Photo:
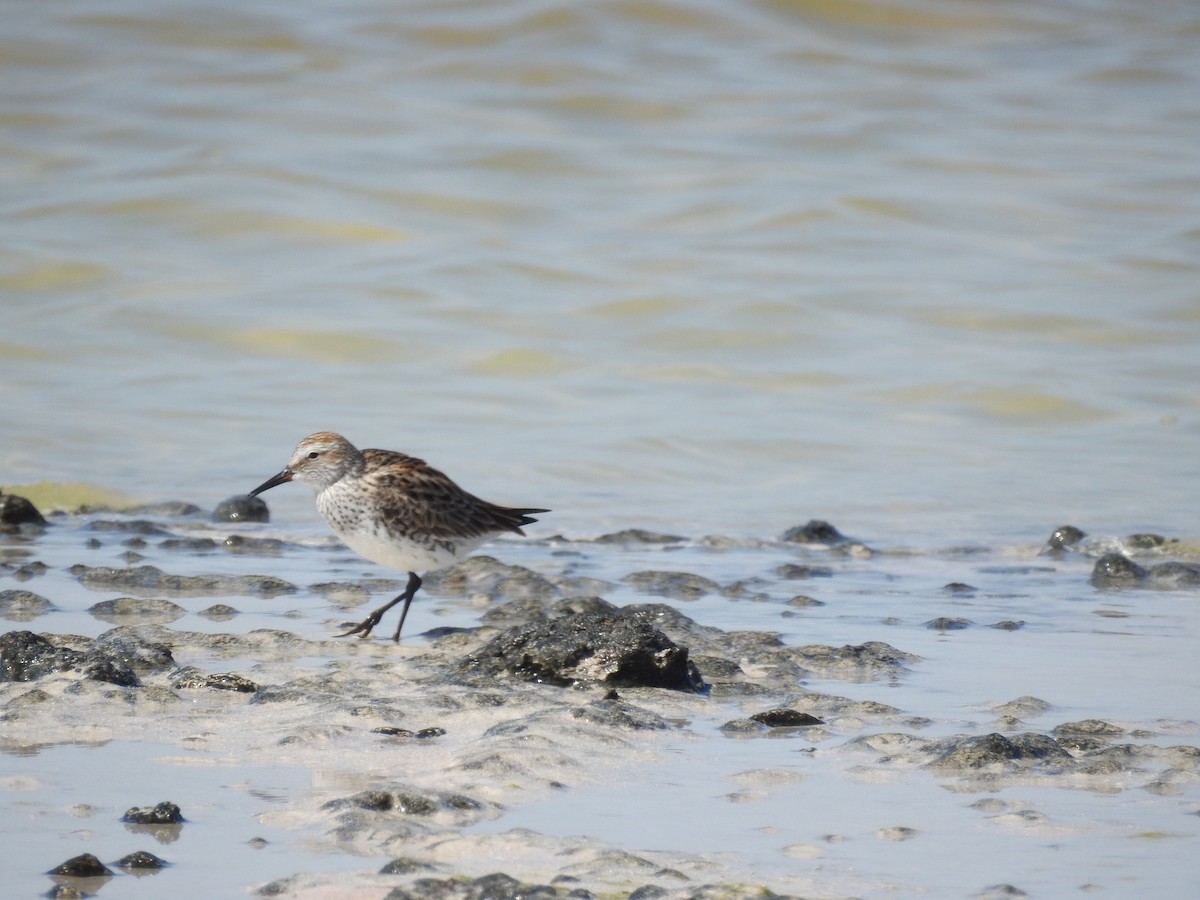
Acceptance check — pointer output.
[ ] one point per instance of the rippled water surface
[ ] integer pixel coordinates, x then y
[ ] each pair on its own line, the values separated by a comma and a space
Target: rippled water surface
926, 269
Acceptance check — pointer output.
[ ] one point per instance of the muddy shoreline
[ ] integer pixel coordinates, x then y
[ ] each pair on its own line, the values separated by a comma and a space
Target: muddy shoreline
423, 745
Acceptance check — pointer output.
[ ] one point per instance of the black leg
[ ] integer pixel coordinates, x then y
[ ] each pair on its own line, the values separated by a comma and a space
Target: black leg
363, 629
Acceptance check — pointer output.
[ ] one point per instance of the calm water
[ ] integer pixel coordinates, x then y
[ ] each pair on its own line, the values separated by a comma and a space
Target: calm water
924, 269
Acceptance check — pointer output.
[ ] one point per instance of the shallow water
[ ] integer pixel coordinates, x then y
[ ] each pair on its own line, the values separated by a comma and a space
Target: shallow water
926, 270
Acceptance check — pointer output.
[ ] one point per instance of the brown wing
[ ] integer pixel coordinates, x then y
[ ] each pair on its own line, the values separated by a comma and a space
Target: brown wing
427, 500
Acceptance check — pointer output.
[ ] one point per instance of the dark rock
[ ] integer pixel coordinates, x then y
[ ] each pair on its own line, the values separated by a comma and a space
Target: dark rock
815, 531
241, 508
785, 718
25, 656
83, 866
165, 813
677, 585
612, 649
960, 753
1113, 570
1000, 891
142, 860
406, 800
639, 536
1066, 536
958, 587
17, 511
219, 612
948, 623
22, 606
648, 892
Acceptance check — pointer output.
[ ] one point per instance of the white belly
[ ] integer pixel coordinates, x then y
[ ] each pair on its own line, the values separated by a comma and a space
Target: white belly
419, 555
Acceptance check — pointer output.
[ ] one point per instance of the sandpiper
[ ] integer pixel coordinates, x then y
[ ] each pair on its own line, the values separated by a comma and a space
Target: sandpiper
395, 510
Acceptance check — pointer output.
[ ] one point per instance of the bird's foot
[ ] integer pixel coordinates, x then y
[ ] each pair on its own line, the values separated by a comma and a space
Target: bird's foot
363, 628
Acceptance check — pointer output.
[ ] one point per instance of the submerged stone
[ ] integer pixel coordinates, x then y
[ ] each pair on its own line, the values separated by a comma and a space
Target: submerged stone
785, 718
1115, 570
960, 753
639, 536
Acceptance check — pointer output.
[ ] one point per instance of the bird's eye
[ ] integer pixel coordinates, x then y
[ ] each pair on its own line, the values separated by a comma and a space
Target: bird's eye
313, 455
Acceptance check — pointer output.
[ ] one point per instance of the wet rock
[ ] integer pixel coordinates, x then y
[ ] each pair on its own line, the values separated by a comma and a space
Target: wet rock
958, 587
149, 579
241, 508
29, 570
165, 813
1146, 541
343, 593
677, 585
1116, 571
168, 509
785, 718
1175, 576
240, 543
1064, 537
612, 649
896, 833
218, 612
1009, 625
743, 726
487, 575
134, 650
616, 713
83, 866
22, 606
25, 656
871, 660
16, 512
639, 536
1000, 891
424, 734
497, 886
963, 754
948, 623
141, 527
815, 531
1023, 707
798, 572
404, 866
125, 608
190, 677
189, 545
407, 800
1113, 570
1093, 728
800, 601
141, 860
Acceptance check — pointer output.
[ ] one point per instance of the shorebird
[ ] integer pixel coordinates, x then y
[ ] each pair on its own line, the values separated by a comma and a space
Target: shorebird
394, 510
